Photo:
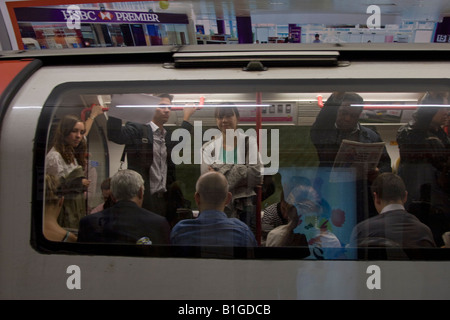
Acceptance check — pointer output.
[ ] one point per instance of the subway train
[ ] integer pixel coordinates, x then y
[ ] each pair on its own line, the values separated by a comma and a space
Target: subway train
279, 91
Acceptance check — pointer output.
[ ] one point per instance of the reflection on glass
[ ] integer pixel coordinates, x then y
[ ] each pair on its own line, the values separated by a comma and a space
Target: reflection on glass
314, 175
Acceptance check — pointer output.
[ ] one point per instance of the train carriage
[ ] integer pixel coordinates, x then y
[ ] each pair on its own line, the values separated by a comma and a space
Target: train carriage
279, 92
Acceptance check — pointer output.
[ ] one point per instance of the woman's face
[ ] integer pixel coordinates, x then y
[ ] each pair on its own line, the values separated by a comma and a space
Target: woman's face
440, 117
226, 120
74, 137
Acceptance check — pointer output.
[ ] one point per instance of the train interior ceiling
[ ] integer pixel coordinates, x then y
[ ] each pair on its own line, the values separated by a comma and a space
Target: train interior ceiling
385, 111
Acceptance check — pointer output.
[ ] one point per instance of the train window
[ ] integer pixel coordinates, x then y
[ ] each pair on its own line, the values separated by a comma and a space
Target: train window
320, 174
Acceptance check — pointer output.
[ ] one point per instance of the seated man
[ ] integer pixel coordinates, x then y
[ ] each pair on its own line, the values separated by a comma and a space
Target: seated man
393, 222
126, 221
212, 227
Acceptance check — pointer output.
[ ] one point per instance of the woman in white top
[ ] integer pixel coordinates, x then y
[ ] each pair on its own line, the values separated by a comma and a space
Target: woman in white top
67, 161
236, 156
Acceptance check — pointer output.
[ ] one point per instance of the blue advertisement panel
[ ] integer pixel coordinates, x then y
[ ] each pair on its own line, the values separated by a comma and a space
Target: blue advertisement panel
332, 194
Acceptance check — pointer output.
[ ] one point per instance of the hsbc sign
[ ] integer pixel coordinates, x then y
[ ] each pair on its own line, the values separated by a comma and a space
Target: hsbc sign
75, 14
106, 15
111, 16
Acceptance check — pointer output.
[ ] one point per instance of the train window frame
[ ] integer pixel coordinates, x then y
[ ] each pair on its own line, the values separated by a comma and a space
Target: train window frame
43, 245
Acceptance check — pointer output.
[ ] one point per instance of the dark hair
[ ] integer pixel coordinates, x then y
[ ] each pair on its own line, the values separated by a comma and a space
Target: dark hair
424, 115
67, 152
353, 97
226, 111
433, 97
164, 95
336, 98
106, 184
350, 98
389, 187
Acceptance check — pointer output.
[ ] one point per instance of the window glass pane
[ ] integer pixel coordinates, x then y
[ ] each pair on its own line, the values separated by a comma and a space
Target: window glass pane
300, 182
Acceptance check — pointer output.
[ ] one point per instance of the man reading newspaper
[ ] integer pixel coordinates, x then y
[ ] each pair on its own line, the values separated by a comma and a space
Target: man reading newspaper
338, 121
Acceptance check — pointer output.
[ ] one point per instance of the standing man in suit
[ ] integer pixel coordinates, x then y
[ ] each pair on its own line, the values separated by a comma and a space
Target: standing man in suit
126, 221
393, 223
148, 148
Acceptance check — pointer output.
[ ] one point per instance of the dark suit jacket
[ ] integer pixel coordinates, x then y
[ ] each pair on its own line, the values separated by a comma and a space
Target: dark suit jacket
140, 151
399, 226
124, 222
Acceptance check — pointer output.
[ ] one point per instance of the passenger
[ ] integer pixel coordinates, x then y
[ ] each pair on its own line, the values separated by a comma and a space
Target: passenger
317, 38
67, 161
446, 239
306, 220
212, 227
425, 163
95, 112
424, 146
274, 215
179, 208
152, 160
106, 193
54, 200
126, 221
337, 121
393, 222
447, 124
240, 165
283, 235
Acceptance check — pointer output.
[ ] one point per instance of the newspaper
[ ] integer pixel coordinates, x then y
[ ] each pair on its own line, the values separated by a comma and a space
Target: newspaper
357, 157
138, 108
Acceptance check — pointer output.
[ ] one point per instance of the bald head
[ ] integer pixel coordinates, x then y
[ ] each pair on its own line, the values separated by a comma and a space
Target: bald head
212, 191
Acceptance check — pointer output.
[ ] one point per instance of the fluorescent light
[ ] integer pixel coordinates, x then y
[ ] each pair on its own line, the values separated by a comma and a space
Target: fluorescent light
206, 106
27, 107
400, 106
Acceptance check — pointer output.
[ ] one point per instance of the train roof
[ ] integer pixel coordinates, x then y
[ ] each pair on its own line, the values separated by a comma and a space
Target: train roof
227, 55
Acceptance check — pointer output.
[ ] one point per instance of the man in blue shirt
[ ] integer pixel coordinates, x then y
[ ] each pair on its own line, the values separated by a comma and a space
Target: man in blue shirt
212, 227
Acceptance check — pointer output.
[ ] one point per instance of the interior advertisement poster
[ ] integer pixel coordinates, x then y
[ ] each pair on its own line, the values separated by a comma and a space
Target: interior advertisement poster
326, 210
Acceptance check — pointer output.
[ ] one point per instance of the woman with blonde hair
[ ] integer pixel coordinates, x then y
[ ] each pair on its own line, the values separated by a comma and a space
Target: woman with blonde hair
53, 203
